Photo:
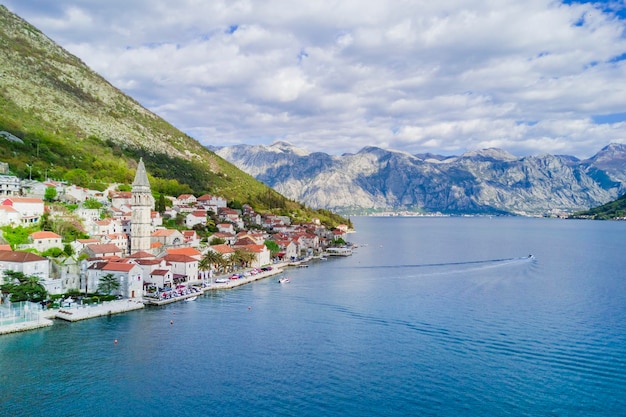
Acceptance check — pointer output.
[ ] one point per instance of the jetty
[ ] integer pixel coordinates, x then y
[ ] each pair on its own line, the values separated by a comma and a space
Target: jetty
107, 308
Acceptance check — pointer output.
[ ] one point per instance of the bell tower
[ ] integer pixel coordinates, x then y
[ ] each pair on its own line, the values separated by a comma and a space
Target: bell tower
142, 205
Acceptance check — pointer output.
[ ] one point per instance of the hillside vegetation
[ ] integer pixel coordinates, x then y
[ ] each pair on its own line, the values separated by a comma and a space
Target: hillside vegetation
613, 210
63, 121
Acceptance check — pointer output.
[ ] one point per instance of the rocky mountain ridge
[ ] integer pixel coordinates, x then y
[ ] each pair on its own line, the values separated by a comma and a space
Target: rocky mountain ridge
483, 181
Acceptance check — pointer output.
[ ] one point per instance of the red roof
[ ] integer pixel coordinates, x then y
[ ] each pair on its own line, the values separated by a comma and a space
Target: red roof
104, 248
183, 251
44, 235
141, 255
118, 266
19, 257
163, 232
179, 258
8, 201
222, 248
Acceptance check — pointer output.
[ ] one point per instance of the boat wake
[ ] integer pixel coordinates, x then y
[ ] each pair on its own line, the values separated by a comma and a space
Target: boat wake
500, 261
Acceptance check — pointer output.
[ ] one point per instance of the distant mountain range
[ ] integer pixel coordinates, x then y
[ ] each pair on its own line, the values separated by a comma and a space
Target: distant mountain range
489, 181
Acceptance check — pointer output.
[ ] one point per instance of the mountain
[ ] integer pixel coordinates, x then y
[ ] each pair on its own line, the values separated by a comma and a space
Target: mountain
60, 119
489, 181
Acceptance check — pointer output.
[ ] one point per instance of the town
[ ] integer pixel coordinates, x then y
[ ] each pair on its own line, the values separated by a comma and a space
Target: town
125, 257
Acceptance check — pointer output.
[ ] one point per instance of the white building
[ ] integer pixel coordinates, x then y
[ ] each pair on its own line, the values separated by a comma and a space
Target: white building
30, 208
9, 185
27, 263
42, 241
9, 216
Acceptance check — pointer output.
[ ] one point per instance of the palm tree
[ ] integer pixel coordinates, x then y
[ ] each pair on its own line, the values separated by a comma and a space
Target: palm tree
242, 257
214, 259
211, 260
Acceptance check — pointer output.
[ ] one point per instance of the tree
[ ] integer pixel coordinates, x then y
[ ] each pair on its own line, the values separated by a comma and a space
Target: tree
338, 242
92, 203
242, 258
68, 249
108, 284
272, 246
160, 204
50, 194
45, 222
217, 241
78, 177
211, 260
23, 287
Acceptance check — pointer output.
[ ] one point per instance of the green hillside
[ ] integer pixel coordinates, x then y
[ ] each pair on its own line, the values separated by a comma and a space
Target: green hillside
613, 210
74, 125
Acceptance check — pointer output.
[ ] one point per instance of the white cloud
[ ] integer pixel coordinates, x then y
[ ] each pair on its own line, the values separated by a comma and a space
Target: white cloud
445, 76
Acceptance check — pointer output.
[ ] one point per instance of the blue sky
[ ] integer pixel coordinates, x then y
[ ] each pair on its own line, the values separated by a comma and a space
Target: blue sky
530, 77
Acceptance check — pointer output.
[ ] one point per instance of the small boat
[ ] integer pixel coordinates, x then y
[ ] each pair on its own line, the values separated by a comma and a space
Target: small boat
191, 298
284, 280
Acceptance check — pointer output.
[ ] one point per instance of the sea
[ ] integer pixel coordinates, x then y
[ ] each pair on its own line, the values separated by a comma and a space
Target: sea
430, 316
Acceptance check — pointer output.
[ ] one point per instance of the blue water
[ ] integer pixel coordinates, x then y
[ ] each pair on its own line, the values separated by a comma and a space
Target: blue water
429, 317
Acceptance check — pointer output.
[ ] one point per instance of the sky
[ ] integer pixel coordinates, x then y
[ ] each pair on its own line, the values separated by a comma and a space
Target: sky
447, 76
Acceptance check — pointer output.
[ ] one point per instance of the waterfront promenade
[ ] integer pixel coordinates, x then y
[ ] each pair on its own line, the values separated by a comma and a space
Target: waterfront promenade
212, 286
79, 312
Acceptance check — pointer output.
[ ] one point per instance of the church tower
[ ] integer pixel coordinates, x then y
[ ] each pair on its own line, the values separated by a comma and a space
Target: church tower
142, 205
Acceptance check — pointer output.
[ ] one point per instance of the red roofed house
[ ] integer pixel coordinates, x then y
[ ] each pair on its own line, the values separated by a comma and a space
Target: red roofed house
185, 268
129, 275
224, 250
118, 239
103, 251
148, 266
191, 238
194, 218
167, 237
226, 228
30, 209
161, 278
27, 263
288, 249
42, 241
121, 199
339, 234
211, 202
185, 200
191, 252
